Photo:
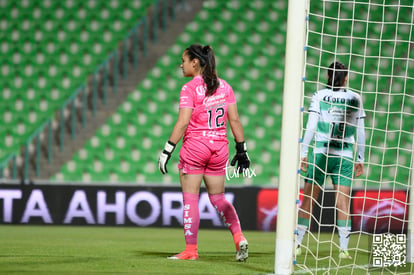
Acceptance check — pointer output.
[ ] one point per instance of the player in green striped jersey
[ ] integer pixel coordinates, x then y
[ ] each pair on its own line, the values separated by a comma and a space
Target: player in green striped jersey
336, 116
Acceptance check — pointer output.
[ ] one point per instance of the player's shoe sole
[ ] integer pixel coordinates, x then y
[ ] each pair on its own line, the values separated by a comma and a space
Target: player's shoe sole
243, 251
185, 255
343, 254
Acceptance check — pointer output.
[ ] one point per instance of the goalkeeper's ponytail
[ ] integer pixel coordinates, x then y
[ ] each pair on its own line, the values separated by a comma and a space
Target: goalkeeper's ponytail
337, 73
208, 64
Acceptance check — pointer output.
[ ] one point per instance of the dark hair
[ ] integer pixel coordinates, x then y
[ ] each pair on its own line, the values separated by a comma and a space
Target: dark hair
337, 73
207, 60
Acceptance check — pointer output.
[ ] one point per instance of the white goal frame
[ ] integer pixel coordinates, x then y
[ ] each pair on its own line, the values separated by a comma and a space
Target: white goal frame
291, 126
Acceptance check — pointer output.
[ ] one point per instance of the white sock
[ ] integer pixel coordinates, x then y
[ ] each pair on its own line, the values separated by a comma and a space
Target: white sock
301, 233
344, 234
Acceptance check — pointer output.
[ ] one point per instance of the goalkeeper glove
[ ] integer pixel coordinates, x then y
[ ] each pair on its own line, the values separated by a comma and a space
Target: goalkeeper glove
241, 157
165, 156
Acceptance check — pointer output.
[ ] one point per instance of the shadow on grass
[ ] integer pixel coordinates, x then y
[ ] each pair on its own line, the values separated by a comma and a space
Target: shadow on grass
154, 254
217, 256
254, 263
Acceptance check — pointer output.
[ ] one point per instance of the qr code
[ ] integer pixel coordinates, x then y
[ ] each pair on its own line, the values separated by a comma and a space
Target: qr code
389, 250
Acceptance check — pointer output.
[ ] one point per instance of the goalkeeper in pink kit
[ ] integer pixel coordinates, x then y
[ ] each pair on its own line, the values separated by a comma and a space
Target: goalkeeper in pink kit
206, 103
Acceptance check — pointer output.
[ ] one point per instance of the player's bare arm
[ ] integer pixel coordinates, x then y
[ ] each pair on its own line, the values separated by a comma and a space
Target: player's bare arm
181, 125
359, 169
235, 123
304, 164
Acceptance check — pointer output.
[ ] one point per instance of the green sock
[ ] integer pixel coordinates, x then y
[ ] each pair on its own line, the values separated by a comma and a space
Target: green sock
303, 221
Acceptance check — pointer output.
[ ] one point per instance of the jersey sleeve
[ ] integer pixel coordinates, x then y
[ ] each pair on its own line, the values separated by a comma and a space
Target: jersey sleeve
361, 140
311, 127
361, 111
186, 97
314, 104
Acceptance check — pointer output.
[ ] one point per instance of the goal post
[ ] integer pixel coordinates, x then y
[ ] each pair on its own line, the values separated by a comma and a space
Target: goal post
410, 227
291, 125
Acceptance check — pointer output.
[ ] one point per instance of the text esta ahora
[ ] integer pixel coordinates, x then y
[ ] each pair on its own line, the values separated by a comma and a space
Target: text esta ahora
125, 208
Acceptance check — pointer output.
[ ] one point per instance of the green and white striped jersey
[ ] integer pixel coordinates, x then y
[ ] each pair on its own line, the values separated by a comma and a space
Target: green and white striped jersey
338, 113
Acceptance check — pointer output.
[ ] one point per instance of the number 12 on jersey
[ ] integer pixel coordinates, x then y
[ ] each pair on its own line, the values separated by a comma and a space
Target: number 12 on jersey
214, 118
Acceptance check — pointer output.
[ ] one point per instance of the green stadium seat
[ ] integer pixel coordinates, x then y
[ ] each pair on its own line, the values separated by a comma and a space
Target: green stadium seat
8, 143
47, 46
250, 39
72, 171
102, 176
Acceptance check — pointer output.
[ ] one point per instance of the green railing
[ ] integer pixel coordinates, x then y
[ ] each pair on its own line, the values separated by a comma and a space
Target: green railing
74, 110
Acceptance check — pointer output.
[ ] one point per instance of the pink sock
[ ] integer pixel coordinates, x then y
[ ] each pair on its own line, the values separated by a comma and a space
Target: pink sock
227, 212
191, 218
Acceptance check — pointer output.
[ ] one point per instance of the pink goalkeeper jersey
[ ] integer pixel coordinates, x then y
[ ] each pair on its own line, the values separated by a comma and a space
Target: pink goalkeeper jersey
209, 117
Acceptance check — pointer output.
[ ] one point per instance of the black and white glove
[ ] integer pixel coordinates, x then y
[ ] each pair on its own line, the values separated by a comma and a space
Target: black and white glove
165, 156
241, 157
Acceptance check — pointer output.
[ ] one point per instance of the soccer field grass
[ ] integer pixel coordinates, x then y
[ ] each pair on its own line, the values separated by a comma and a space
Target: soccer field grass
113, 250
137, 250
323, 258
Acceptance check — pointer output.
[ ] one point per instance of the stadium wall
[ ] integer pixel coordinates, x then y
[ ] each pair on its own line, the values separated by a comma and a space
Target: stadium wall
161, 206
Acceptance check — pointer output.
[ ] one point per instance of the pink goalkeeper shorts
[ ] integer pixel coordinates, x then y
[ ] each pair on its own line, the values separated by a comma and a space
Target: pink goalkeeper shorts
207, 157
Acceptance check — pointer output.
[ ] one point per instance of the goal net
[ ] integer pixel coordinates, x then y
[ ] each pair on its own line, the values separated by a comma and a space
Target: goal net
374, 40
